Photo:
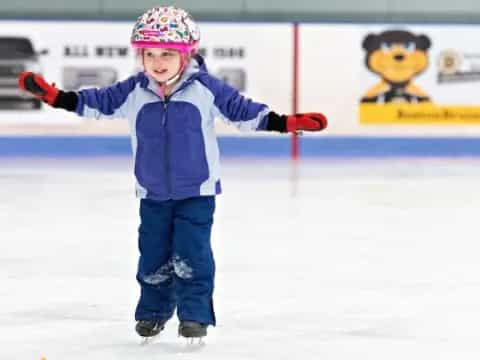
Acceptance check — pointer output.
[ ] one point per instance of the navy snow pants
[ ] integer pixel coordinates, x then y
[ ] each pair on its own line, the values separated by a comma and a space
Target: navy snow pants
176, 266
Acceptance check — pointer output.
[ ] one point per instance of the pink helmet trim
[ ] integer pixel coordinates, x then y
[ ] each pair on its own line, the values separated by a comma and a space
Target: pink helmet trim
182, 47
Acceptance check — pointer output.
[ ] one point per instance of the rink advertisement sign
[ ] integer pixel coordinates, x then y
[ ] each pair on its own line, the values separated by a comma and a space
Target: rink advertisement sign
76, 55
398, 58
392, 80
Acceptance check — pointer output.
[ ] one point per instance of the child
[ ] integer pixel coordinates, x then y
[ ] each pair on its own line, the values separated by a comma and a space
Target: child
171, 107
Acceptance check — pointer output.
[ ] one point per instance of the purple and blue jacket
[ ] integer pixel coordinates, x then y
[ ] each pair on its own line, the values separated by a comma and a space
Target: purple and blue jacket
173, 138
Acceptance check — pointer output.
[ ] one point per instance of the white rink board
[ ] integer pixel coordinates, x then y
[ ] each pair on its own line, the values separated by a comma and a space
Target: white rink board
266, 62
333, 76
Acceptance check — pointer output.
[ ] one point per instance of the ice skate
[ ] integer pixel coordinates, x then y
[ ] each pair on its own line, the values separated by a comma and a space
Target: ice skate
192, 331
148, 329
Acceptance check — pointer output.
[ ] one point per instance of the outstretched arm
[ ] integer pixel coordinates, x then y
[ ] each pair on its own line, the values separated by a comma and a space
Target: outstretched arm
246, 114
108, 102
48, 93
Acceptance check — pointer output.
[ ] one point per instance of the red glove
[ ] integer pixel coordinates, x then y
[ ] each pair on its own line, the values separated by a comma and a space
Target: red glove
307, 121
38, 87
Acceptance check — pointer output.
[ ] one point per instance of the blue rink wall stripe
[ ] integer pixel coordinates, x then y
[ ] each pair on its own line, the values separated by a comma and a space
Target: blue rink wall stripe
327, 146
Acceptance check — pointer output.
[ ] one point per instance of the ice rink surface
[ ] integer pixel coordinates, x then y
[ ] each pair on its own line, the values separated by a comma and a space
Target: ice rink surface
371, 259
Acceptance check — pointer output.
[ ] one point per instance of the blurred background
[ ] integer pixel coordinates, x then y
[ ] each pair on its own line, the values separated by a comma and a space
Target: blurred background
383, 97
359, 241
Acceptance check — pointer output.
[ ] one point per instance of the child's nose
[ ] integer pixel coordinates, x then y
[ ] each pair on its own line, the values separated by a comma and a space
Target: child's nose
158, 60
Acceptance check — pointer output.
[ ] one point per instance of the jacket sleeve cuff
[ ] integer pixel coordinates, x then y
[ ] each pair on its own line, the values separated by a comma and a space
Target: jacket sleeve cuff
66, 100
276, 122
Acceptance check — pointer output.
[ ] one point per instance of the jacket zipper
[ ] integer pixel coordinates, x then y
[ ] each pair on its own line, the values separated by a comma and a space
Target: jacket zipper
168, 168
164, 117
166, 147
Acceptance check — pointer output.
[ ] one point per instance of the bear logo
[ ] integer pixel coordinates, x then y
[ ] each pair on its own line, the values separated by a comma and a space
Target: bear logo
397, 56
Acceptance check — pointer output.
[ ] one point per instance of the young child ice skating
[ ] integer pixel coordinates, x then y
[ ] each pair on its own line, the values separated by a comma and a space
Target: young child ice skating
171, 106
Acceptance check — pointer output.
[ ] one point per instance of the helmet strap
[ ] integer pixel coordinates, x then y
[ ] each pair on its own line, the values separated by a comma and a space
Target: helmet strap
183, 65
173, 79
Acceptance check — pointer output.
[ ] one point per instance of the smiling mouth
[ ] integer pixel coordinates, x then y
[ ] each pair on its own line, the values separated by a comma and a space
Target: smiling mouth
160, 72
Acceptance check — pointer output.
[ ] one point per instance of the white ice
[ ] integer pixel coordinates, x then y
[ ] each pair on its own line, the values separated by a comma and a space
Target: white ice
371, 259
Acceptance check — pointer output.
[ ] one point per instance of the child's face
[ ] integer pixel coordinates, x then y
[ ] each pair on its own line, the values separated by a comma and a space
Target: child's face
161, 64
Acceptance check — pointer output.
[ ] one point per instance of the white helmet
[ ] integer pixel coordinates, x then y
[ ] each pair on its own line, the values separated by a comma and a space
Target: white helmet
166, 27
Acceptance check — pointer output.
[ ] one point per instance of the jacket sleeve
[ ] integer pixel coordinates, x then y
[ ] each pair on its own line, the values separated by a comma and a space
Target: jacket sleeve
107, 102
235, 109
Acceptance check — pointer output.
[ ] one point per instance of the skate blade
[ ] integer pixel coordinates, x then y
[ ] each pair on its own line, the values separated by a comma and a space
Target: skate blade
193, 345
147, 340
194, 342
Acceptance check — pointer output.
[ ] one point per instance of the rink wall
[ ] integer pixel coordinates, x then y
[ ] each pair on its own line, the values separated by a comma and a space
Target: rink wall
232, 146
334, 76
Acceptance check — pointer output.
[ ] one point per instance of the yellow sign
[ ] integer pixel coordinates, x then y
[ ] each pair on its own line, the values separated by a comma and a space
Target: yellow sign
424, 113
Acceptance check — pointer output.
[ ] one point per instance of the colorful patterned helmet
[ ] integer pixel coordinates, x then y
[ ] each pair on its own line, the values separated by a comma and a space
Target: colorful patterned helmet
166, 27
